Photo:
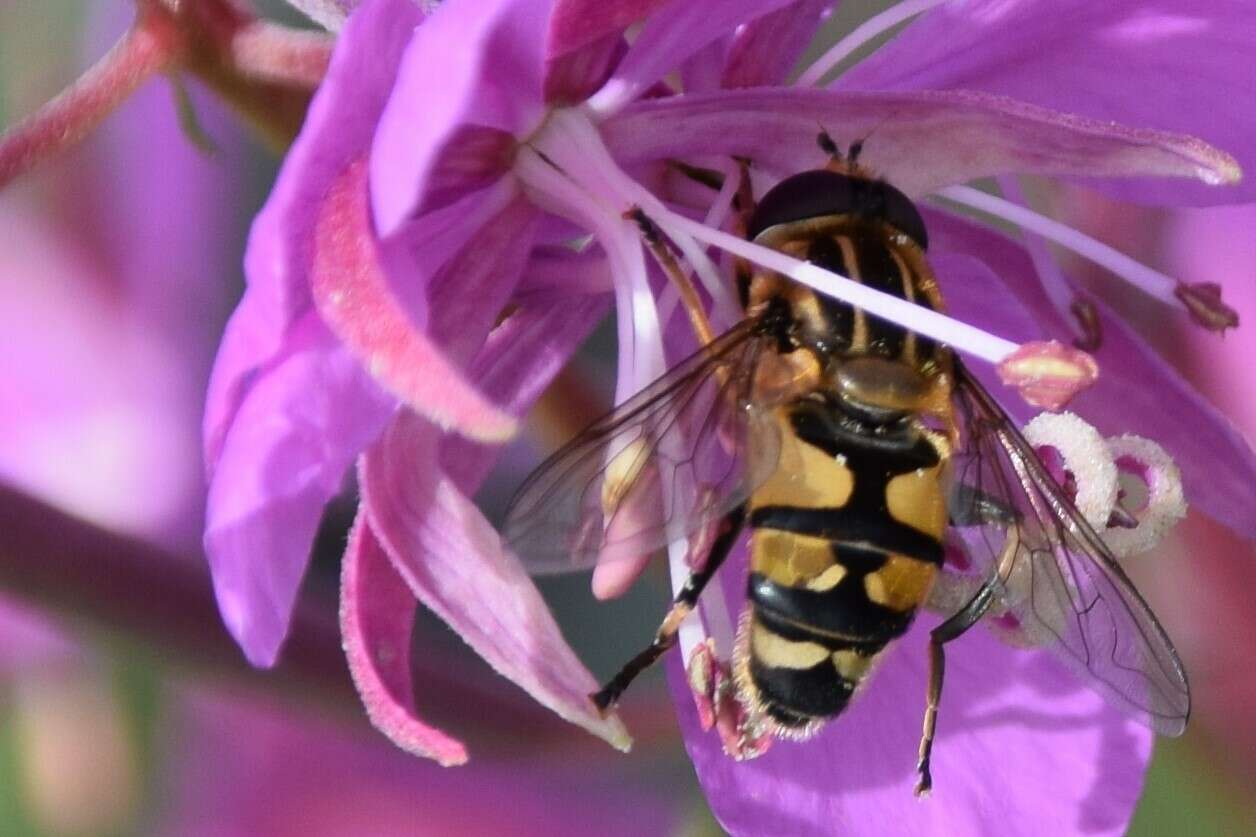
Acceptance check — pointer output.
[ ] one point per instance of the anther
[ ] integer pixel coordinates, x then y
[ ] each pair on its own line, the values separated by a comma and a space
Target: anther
1088, 321
1203, 301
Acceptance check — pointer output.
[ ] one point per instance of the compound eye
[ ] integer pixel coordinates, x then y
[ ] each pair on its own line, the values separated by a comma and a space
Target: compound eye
814, 194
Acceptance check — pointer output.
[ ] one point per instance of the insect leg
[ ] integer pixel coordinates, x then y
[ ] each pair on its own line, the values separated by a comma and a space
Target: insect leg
744, 201
682, 606
955, 626
653, 239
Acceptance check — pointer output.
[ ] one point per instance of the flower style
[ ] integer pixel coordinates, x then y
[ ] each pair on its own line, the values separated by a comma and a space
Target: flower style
413, 288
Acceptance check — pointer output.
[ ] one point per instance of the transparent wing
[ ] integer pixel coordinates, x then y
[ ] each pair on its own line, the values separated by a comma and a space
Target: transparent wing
1060, 582
685, 450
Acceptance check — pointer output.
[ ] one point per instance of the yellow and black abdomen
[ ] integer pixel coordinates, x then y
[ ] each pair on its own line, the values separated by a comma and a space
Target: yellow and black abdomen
846, 540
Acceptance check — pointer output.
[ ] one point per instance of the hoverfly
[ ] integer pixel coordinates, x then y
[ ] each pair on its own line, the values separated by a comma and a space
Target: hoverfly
847, 445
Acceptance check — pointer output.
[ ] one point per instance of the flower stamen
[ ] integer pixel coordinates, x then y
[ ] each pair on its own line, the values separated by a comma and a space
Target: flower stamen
955, 333
860, 35
1206, 308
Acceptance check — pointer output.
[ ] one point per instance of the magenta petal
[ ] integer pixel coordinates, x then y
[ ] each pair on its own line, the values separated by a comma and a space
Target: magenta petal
455, 564
301, 425
1178, 67
472, 64
470, 293
518, 362
1023, 748
337, 130
376, 619
253, 334
766, 50
673, 35
352, 295
921, 141
1137, 391
579, 23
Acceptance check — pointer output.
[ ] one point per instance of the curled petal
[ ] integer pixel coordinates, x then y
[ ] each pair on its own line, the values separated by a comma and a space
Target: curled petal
1004, 712
1048, 374
921, 141
454, 562
1165, 505
1071, 448
295, 434
1177, 67
352, 295
376, 619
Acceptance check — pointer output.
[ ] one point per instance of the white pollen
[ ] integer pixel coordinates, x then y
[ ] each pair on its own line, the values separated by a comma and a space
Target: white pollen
1085, 455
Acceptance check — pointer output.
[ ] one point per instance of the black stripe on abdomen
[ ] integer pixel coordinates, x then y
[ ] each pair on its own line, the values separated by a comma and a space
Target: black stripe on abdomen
834, 617
795, 697
851, 525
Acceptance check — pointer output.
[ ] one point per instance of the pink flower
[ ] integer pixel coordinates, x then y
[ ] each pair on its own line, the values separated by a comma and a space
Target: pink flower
446, 165
228, 771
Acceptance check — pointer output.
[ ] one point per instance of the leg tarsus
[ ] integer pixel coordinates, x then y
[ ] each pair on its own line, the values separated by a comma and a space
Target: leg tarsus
952, 628
606, 697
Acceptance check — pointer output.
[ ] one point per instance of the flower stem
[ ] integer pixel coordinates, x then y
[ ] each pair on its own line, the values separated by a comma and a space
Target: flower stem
144, 600
150, 46
270, 52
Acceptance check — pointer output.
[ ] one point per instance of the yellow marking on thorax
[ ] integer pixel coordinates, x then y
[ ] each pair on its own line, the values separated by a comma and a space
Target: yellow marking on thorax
805, 476
859, 334
909, 294
771, 649
901, 584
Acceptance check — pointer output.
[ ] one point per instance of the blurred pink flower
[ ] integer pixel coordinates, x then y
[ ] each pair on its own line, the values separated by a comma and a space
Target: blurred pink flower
234, 765
443, 164
113, 277
1215, 576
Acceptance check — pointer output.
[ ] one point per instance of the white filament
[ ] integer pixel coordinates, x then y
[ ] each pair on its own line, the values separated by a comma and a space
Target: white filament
1150, 281
860, 35
958, 335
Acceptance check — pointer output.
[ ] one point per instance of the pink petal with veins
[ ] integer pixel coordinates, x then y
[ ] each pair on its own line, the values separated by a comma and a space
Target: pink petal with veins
454, 562
1171, 65
669, 38
579, 23
351, 292
767, 49
923, 140
376, 618
338, 129
473, 64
